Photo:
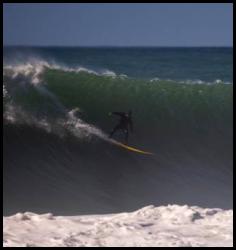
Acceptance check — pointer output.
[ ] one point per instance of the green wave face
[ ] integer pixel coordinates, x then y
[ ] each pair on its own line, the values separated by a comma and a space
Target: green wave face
168, 109
162, 103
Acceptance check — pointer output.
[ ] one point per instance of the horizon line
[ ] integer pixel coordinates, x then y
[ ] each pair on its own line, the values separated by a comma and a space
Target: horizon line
122, 46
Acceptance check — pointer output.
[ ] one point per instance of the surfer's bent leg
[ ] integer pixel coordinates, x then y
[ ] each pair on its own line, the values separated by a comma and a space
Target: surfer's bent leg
126, 131
114, 130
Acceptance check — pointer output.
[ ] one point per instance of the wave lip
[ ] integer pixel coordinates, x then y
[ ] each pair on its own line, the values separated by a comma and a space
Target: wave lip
35, 68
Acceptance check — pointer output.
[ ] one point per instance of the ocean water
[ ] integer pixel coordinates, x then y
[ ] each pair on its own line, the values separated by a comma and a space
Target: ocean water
56, 100
197, 64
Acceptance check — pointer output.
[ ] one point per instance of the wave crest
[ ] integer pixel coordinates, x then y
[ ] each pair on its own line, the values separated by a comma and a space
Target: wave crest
35, 68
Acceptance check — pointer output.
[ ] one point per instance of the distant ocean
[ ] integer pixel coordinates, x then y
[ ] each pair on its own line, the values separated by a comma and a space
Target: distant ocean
56, 102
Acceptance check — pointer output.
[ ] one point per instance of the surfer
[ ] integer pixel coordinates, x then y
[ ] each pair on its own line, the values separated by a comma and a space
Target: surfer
125, 123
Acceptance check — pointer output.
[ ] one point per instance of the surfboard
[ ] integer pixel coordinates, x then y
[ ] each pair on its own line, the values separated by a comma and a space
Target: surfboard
131, 148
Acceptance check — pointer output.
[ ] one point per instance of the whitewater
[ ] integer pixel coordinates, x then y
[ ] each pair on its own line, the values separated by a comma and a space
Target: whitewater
170, 226
66, 184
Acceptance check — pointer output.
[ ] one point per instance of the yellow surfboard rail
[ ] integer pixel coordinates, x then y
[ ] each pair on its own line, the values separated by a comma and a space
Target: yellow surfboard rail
131, 148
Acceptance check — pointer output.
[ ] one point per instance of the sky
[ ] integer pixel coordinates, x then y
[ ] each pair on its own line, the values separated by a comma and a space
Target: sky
104, 24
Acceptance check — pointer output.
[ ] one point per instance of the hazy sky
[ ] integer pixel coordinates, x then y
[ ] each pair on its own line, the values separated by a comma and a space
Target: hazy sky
118, 24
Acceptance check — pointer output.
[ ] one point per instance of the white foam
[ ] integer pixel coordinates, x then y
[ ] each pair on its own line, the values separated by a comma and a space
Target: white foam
109, 73
80, 128
71, 122
15, 115
4, 91
188, 81
165, 226
29, 70
155, 79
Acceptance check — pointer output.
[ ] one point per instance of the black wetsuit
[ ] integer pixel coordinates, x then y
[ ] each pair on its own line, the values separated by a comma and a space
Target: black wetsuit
125, 124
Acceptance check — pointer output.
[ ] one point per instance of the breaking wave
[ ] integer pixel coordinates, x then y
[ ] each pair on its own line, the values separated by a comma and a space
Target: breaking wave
56, 122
